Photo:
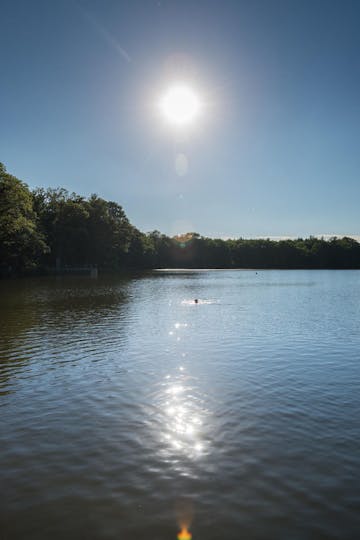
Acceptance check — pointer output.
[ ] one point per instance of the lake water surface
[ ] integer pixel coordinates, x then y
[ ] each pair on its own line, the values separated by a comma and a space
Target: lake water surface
126, 409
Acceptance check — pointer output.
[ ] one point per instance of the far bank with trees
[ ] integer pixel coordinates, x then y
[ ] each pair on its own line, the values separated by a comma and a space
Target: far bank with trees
45, 229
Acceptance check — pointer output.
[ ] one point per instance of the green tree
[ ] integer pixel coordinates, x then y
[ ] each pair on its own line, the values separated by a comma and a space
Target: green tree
109, 232
63, 219
21, 242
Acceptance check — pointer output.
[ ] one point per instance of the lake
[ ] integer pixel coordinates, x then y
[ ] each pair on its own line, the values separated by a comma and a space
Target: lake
127, 410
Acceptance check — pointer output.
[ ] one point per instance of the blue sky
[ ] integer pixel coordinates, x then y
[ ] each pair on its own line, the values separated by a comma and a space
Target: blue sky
274, 153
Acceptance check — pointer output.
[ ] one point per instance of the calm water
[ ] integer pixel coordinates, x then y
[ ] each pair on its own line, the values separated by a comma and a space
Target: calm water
126, 408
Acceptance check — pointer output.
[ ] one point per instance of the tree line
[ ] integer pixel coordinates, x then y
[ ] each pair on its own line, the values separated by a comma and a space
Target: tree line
44, 229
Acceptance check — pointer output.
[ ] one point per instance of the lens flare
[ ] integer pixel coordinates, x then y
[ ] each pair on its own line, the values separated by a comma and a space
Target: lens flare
181, 165
184, 534
183, 240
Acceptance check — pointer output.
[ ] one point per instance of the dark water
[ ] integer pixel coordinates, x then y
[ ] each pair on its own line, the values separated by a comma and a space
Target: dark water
126, 408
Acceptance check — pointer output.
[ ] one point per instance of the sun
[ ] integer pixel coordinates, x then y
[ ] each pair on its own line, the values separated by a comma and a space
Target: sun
180, 105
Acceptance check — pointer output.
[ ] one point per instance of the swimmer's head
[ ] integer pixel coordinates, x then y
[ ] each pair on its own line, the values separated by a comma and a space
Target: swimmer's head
196, 301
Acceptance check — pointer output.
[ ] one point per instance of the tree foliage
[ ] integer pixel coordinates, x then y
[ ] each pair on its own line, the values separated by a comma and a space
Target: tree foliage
21, 241
83, 231
52, 227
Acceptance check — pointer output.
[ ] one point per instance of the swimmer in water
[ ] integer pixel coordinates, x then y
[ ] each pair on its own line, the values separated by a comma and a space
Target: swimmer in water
196, 301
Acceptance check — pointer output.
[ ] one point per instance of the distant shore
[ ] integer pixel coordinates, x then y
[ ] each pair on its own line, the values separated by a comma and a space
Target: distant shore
46, 231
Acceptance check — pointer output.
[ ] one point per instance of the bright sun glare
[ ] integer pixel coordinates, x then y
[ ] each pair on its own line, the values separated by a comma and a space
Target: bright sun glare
180, 105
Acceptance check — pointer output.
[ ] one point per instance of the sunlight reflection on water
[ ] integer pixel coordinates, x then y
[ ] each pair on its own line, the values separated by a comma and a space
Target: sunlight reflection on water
182, 416
182, 409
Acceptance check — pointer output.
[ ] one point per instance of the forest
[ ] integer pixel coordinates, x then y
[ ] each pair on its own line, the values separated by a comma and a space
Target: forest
47, 230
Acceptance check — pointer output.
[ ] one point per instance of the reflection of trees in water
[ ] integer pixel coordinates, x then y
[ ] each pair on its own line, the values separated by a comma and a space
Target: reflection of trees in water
58, 319
16, 320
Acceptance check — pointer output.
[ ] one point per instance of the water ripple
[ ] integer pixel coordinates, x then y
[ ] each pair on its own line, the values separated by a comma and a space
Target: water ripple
121, 397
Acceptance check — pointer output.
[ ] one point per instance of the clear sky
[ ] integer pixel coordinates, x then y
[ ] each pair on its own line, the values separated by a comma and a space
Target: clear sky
275, 150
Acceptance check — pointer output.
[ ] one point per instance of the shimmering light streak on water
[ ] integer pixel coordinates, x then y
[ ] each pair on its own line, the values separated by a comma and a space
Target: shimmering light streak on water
120, 397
